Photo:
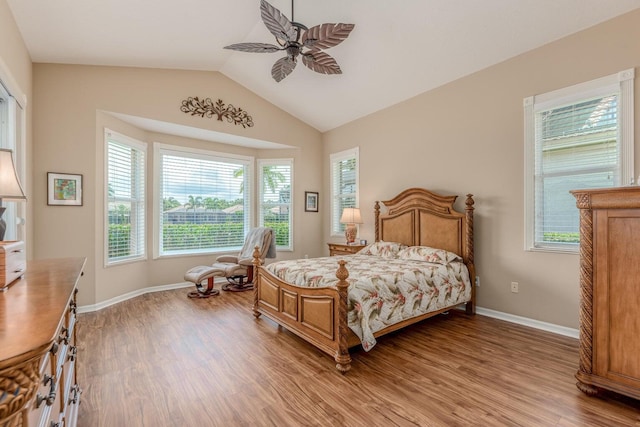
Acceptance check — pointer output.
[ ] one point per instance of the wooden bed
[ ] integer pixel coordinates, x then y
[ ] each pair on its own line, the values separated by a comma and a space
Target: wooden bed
415, 217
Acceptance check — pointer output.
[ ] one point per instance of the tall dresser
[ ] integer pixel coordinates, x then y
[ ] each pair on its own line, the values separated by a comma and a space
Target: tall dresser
609, 290
38, 351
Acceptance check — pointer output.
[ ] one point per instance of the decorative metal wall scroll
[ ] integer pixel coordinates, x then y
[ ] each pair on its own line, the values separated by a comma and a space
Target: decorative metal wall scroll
207, 108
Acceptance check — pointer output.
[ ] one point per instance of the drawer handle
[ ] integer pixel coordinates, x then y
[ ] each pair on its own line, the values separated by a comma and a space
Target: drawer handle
64, 336
51, 397
20, 270
73, 352
46, 379
76, 394
54, 424
17, 251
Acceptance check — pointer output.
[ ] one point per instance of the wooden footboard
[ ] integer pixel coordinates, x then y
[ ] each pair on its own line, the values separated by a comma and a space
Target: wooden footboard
318, 315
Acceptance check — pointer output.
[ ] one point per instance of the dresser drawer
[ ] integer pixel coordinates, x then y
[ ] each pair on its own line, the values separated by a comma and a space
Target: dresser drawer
13, 262
342, 249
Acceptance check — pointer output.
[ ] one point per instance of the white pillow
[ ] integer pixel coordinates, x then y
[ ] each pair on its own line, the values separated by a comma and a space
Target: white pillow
426, 253
382, 249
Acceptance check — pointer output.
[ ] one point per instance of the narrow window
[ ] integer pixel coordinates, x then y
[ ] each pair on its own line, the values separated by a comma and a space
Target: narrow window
11, 137
125, 195
275, 178
344, 186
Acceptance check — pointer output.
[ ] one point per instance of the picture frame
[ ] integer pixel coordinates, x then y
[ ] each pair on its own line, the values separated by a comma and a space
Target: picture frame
311, 201
64, 189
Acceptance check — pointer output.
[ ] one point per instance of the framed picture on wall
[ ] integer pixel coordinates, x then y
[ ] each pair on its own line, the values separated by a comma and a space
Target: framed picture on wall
64, 189
310, 201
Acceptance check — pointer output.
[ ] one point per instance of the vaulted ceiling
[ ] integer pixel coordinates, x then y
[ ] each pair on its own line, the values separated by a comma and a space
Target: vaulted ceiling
396, 51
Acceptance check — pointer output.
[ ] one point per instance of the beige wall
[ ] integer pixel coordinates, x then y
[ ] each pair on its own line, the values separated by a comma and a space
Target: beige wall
15, 67
69, 109
467, 137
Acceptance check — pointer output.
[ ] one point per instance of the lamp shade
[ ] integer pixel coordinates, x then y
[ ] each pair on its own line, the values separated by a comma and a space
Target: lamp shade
351, 216
10, 187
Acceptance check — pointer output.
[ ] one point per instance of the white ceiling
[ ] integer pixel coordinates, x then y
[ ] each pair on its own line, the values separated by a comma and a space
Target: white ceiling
397, 50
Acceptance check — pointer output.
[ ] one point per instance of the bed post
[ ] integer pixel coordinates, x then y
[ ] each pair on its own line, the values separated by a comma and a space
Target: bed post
256, 263
377, 212
342, 358
468, 252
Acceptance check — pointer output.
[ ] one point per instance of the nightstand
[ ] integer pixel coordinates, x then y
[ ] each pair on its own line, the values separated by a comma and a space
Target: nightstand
343, 249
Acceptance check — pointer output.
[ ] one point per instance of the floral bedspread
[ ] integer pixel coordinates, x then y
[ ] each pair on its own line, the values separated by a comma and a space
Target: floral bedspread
382, 291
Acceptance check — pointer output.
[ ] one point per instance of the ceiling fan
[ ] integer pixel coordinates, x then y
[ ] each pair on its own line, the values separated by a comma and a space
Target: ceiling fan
297, 40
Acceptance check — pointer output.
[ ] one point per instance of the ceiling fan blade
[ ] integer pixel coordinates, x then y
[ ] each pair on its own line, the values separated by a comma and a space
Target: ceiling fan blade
282, 68
320, 62
277, 24
325, 36
254, 47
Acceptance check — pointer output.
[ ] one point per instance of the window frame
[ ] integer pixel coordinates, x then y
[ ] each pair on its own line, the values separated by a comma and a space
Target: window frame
159, 149
276, 162
337, 229
12, 132
140, 147
620, 83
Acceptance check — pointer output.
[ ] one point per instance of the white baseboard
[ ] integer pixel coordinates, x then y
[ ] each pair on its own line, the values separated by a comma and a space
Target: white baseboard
525, 321
129, 295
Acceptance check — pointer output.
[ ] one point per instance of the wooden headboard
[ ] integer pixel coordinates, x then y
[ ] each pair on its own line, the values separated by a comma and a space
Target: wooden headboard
419, 217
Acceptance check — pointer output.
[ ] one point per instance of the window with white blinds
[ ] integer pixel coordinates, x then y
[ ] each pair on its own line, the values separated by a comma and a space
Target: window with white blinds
275, 199
344, 186
204, 200
125, 198
577, 141
12, 137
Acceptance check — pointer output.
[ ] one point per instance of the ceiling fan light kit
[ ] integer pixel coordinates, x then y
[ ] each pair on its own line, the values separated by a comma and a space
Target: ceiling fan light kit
297, 40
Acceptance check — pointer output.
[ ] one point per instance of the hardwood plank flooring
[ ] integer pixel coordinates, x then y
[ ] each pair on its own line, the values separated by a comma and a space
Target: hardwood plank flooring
163, 359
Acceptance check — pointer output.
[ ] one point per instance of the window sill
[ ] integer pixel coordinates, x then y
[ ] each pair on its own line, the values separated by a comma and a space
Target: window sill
568, 251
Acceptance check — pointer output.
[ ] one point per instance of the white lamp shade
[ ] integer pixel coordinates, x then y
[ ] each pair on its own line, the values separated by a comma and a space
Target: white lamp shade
351, 216
10, 187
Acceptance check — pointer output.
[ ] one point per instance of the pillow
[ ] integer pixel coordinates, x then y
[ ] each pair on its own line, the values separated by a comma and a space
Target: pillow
426, 253
382, 249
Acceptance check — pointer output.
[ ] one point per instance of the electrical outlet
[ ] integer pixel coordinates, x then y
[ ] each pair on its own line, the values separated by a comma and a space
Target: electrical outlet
514, 287
477, 281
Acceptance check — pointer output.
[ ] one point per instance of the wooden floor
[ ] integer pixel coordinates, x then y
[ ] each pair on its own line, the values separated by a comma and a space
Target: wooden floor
162, 359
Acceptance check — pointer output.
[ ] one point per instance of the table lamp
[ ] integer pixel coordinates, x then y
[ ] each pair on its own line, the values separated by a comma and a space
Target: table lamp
10, 187
351, 217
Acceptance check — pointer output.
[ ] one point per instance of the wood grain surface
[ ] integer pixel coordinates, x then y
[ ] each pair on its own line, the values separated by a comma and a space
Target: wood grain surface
163, 359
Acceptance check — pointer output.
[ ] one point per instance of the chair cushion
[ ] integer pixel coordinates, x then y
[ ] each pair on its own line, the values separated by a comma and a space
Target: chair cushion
227, 258
230, 269
202, 272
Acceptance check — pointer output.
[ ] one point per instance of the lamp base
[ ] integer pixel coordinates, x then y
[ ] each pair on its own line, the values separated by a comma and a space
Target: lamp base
350, 233
3, 225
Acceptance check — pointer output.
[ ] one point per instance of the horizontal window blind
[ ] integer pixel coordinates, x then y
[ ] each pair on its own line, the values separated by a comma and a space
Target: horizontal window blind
125, 199
576, 147
204, 202
344, 186
275, 178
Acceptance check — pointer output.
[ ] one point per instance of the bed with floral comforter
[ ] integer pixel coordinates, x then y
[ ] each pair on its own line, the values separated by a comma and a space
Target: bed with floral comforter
337, 303
388, 283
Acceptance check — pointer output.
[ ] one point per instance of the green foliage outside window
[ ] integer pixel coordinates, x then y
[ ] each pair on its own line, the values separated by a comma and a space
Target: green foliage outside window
198, 236
551, 237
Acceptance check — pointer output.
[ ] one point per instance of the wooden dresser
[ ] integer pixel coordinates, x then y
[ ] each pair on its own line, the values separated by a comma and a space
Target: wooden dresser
38, 346
609, 290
